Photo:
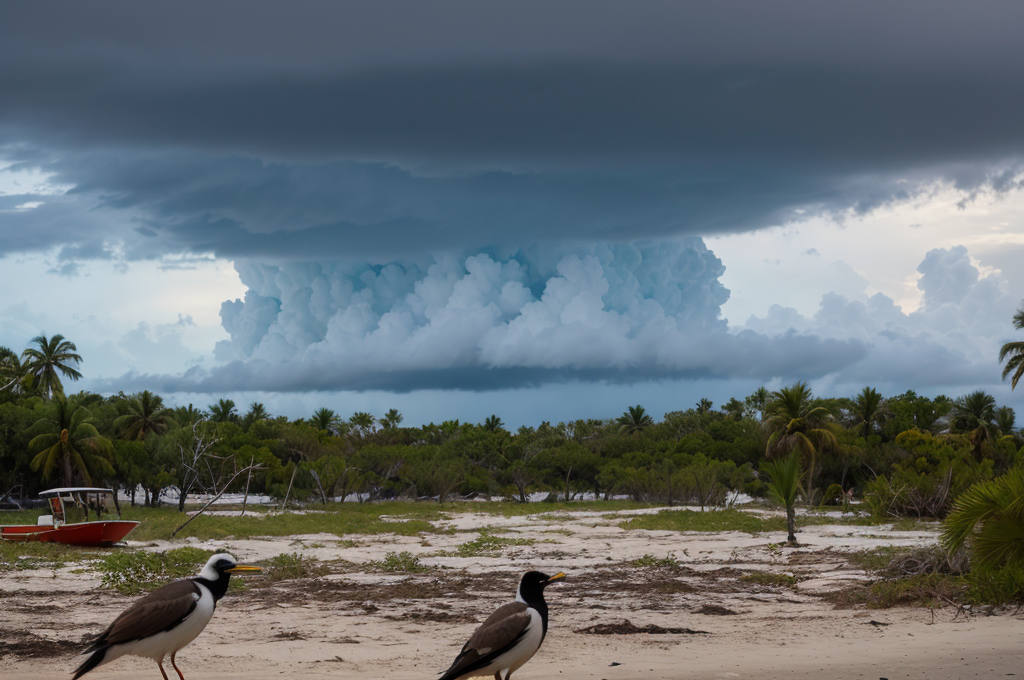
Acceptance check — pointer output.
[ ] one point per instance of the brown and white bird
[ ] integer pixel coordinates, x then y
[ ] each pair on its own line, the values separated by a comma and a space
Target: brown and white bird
167, 619
510, 636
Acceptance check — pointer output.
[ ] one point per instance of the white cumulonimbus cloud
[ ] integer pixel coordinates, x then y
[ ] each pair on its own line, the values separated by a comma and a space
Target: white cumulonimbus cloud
952, 339
623, 312
626, 312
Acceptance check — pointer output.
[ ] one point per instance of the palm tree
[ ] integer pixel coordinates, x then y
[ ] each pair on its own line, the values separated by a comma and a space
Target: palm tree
362, 423
188, 415
391, 419
1006, 420
998, 507
327, 420
867, 410
146, 413
223, 411
54, 355
12, 373
493, 424
975, 413
635, 420
784, 486
69, 439
735, 409
257, 412
704, 406
758, 401
1015, 352
796, 424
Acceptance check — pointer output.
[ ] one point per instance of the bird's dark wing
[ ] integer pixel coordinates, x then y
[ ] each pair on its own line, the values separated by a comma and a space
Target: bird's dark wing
164, 608
499, 633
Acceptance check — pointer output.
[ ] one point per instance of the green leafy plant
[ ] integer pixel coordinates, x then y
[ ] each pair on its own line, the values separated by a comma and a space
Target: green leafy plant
131, 573
649, 561
990, 517
399, 562
784, 487
289, 566
767, 578
489, 544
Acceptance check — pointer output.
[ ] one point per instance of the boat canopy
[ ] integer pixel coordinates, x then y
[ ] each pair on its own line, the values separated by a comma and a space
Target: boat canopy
73, 489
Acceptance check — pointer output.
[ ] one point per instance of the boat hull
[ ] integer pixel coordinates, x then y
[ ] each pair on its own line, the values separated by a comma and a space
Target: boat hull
100, 534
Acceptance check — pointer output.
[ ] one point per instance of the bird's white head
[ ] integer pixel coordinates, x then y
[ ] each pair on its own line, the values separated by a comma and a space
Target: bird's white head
217, 565
220, 565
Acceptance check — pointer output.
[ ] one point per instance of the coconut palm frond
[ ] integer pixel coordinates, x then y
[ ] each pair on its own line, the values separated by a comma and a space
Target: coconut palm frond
1015, 365
997, 506
78, 463
46, 460
784, 478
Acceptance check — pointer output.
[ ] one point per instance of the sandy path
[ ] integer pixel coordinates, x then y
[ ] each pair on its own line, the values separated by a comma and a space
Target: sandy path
361, 624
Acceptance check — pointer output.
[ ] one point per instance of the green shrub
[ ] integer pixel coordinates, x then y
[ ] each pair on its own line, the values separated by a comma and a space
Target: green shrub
489, 544
930, 475
649, 561
767, 578
997, 586
131, 573
403, 562
288, 566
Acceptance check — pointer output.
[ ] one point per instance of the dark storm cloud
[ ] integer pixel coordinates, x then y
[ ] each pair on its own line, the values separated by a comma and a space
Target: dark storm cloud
338, 149
237, 207
373, 128
537, 116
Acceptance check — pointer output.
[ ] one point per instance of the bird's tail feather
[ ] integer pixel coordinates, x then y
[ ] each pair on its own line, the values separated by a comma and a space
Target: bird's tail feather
95, 659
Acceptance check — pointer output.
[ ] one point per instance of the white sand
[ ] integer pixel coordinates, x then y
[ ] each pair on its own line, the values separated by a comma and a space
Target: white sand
777, 633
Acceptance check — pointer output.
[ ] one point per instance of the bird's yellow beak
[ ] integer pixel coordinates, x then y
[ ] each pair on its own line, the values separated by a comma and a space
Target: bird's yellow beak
557, 577
243, 568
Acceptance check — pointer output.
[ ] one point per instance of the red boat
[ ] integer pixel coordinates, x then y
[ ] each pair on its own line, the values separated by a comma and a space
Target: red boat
74, 502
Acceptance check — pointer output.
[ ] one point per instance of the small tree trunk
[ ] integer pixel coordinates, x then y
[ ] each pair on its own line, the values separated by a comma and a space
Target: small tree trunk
289, 491
247, 480
791, 523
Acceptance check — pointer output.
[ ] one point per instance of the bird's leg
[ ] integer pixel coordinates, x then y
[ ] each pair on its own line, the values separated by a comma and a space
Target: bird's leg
160, 664
176, 666
497, 674
508, 675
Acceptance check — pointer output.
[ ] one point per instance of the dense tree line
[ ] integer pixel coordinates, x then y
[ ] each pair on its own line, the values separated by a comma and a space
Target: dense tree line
905, 454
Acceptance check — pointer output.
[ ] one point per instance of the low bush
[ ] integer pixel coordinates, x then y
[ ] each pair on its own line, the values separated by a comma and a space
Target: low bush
931, 472
132, 573
289, 566
399, 562
767, 578
489, 544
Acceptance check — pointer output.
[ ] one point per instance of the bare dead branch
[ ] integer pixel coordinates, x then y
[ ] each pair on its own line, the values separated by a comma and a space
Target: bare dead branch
258, 466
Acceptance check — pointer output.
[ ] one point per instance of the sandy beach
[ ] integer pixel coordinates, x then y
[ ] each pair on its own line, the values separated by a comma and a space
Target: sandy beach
693, 617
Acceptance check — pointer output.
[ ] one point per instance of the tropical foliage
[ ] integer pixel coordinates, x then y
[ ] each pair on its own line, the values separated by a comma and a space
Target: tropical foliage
1013, 353
990, 517
635, 420
797, 424
69, 442
784, 486
905, 454
146, 415
44, 364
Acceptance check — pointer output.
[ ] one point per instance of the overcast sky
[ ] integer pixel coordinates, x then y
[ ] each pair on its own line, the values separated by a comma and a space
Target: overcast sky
544, 210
